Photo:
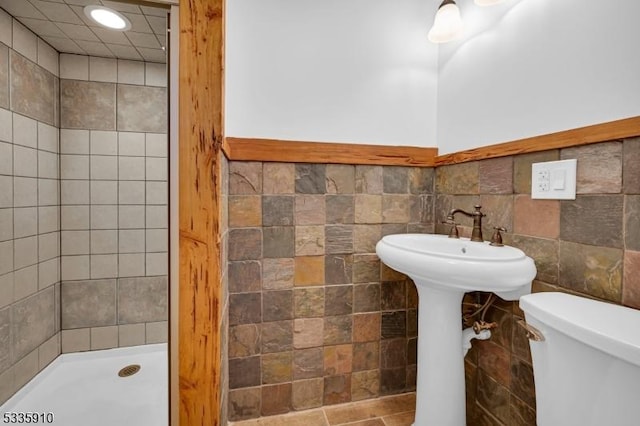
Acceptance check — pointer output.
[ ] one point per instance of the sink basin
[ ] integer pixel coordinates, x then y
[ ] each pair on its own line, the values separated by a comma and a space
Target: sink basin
459, 263
444, 269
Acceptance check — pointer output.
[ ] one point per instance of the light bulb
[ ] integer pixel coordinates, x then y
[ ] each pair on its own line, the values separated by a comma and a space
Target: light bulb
447, 25
107, 18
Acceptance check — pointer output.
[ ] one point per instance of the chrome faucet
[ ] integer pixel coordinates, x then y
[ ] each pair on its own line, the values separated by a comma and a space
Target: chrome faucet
477, 215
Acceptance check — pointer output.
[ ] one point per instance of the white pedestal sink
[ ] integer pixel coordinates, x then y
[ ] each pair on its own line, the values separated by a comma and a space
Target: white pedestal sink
443, 270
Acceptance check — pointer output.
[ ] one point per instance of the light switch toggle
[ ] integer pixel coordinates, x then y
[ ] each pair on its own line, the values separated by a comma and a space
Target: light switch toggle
557, 179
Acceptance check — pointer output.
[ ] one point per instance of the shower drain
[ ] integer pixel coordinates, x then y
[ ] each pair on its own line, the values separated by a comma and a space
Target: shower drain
129, 370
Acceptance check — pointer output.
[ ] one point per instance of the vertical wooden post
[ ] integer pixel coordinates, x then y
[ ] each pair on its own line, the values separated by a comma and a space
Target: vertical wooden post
201, 75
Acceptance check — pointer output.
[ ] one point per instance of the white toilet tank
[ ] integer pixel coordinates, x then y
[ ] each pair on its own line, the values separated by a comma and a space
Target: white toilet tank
587, 369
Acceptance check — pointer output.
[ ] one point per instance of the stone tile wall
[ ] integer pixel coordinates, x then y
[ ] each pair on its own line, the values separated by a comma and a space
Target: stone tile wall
314, 317
29, 206
589, 247
114, 241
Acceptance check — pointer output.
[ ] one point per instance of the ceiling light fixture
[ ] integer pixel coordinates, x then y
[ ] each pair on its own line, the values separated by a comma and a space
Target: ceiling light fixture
447, 25
107, 18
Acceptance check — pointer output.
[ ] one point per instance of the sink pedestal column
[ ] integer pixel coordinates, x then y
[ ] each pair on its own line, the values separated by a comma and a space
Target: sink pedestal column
440, 387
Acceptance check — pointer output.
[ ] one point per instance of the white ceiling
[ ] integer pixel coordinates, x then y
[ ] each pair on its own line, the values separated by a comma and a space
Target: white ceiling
63, 24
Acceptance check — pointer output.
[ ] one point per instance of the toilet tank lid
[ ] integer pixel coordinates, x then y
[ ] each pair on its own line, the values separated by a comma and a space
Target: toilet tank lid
610, 328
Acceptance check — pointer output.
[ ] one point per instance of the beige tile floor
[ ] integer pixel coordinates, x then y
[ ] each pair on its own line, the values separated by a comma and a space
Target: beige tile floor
397, 410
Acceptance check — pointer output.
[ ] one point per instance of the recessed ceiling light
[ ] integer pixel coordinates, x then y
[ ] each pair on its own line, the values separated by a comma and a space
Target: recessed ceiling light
107, 18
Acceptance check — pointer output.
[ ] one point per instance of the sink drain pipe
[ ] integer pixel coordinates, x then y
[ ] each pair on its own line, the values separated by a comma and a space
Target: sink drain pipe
468, 334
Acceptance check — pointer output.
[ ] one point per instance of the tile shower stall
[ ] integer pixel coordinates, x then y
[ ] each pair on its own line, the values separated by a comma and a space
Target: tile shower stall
83, 204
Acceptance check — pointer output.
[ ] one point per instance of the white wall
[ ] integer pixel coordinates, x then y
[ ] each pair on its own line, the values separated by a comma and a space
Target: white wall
531, 67
357, 71
362, 71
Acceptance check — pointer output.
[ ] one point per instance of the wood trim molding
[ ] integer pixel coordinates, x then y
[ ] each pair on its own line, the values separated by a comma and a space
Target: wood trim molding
255, 149
247, 149
201, 132
618, 129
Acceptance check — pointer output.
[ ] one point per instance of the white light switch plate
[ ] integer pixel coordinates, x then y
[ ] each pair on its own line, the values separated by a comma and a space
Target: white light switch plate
554, 180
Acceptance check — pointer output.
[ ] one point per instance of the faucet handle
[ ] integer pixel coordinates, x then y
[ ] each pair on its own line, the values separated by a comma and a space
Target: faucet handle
453, 233
496, 240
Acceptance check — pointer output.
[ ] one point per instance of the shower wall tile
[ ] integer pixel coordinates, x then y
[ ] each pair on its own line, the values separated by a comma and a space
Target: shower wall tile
74, 141
156, 332
131, 264
33, 322
138, 108
142, 299
7, 384
32, 89
87, 105
156, 144
130, 72
48, 192
29, 206
26, 369
24, 41
103, 70
6, 158
25, 282
74, 67
25, 131
155, 74
88, 303
131, 143
104, 337
5, 339
47, 57
6, 197
77, 340
6, 129
48, 138
103, 266
49, 350
4, 76
114, 190
131, 335
5, 28
74, 268
103, 142
6, 224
